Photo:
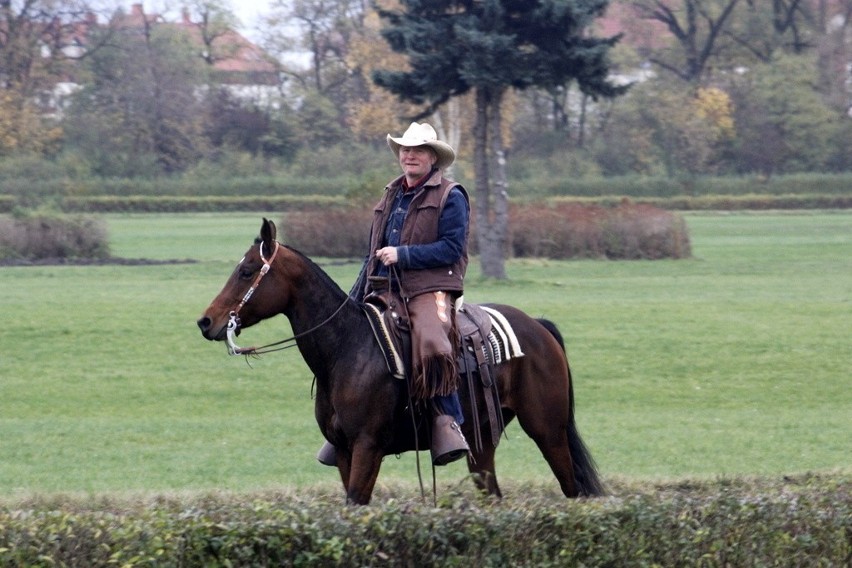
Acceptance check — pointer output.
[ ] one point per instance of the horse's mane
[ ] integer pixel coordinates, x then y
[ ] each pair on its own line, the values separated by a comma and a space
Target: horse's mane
317, 269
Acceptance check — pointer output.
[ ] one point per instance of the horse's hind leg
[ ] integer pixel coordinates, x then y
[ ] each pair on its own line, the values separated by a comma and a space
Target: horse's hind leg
481, 466
550, 433
552, 441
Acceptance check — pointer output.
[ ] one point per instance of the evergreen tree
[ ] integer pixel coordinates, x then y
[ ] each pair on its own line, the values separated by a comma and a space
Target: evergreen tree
488, 47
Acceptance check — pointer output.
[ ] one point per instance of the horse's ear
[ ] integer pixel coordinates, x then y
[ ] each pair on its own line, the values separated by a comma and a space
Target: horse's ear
268, 232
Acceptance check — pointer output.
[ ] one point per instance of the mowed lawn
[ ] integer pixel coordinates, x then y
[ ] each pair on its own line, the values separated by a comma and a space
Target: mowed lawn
735, 362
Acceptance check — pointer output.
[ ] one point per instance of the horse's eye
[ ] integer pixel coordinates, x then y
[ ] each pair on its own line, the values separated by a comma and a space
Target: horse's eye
246, 273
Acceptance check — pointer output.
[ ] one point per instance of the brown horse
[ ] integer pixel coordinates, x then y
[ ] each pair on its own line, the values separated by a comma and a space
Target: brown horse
361, 408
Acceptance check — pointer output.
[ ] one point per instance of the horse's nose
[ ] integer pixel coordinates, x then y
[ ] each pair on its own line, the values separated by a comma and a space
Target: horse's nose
204, 324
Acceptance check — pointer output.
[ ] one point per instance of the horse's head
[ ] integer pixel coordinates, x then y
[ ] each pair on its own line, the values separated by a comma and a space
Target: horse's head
254, 292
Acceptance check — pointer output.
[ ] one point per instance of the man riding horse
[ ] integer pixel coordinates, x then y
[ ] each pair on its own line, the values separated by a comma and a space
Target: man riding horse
417, 263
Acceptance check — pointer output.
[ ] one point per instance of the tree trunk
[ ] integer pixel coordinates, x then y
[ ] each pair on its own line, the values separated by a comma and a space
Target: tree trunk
491, 207
500, 190
447, 123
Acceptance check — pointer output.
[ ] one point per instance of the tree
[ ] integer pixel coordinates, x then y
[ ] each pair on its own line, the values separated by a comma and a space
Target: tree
659, 129
38, 41
234, 124
378, 112
214, 22
783, 124
488, 47
324, 29
763, 28
141, 110
697, 28
312, 40
834, 50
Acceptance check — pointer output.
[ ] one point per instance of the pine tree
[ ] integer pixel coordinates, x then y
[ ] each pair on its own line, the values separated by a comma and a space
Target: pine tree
488, 47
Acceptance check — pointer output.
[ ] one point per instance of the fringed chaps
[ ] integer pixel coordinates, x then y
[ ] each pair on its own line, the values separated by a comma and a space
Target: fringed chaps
434, 341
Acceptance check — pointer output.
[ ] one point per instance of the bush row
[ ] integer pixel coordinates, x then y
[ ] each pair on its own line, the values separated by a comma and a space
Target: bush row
742, 202
42, 236
214, 204
559, 231
656, 187
35, 190
792, 522
626, 231
32, 189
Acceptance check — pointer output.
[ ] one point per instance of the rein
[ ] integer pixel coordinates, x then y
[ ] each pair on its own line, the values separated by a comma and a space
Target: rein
234, 318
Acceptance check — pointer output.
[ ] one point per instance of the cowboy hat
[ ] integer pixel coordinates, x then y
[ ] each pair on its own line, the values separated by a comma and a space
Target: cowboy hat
424, 135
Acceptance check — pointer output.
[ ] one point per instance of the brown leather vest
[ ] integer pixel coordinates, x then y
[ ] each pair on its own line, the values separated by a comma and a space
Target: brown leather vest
421, 227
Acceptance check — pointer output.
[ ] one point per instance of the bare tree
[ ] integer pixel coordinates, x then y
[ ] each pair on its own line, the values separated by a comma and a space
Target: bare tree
321, 29
697, 27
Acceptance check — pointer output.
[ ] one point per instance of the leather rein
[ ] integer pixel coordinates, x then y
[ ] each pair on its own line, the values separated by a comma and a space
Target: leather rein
234, 318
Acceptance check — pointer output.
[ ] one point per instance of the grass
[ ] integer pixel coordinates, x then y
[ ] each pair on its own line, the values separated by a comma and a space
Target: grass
733, 363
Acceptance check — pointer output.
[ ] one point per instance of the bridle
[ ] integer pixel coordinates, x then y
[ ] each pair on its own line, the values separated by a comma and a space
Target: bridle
234, 318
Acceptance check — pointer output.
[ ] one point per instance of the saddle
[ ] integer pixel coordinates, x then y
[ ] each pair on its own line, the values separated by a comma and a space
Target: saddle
486, 339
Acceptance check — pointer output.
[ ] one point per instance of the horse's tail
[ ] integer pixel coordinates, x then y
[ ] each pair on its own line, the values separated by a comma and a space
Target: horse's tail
585, 470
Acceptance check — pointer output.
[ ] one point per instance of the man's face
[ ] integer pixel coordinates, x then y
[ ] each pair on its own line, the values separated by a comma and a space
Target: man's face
416, 161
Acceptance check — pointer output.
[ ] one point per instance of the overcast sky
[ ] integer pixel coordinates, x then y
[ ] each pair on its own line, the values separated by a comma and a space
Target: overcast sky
248, 11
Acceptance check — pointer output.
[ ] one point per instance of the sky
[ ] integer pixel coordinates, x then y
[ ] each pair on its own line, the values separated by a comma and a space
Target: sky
248, 11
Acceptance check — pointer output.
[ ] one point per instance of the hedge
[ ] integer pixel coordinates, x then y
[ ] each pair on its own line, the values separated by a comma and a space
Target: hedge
661, 187
210, 204
804, 521
173, 204
728, 202
32, 188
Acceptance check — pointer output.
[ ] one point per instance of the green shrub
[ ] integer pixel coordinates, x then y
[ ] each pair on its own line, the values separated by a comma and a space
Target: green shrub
662, 187
804, 521
43, 236
174, 204
33, 182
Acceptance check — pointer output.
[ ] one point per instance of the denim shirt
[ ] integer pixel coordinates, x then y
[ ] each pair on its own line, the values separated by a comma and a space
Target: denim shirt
452, 227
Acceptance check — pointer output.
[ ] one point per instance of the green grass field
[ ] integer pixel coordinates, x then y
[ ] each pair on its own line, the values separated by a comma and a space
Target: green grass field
736, 362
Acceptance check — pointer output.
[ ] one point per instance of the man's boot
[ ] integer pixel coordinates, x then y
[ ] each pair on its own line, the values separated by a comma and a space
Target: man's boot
448, 443
327, 455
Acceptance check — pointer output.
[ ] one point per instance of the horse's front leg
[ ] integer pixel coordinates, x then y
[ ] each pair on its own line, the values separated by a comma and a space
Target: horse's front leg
361, 472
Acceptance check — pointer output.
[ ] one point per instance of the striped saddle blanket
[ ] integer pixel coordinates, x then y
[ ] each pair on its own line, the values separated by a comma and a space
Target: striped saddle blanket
498, 340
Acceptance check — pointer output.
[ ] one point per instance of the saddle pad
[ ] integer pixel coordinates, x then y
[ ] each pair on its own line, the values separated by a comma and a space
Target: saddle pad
501, 339
385, 341
504, 342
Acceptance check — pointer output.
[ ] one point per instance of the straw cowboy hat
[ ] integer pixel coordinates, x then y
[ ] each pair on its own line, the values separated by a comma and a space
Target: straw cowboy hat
424, 135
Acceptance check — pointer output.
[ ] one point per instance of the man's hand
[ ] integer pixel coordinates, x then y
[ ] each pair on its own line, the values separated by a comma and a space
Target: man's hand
388, 255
